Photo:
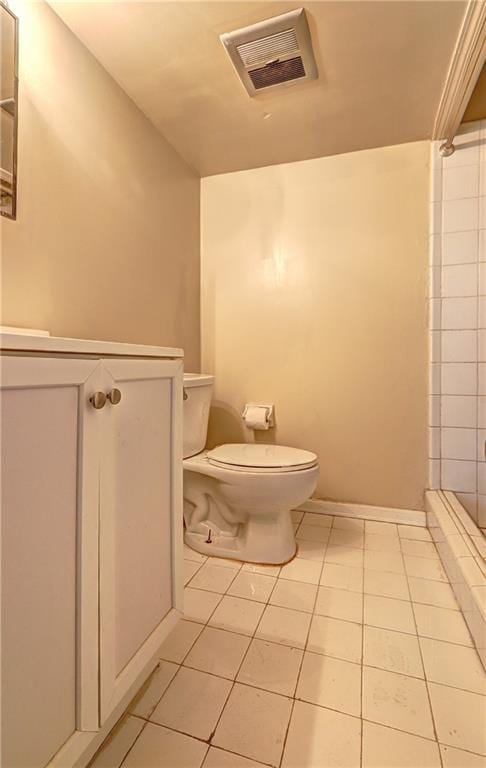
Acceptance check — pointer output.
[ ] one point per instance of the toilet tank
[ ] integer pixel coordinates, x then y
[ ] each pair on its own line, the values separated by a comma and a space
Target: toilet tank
198, 388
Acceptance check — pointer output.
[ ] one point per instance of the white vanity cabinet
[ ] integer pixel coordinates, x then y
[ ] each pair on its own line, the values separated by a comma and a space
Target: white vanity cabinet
91, 506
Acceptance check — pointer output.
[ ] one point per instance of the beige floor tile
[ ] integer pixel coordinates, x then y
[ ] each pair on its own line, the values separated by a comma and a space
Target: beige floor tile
163, 748
225, 562
294, 594
394, 651
453, 665
384, 529
334, 637
424, 568
351, 556
266, 570
219, 758
379, 543
119, 742
282, 625
342, 577
348, 524
331, 683
414, 532
237, 615
253, 724
179, 641
398, 701
192, 703
458, 758
271, 666
151, 693
321, 738
301, 570
349, 538
386, 584
296, 515
388, 613
441, 624
323, 521
218, 651
253, 586
213, 578
339, 604
199, 605
388, 748
430, 592
383, 561
311, 550
460, 718
419, 548
191, 554
312, 533
190, 569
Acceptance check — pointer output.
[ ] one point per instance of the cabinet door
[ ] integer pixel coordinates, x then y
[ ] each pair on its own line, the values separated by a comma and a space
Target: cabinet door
49, 504
140, 518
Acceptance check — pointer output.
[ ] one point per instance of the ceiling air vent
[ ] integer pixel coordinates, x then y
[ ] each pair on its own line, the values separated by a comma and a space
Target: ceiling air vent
273, 52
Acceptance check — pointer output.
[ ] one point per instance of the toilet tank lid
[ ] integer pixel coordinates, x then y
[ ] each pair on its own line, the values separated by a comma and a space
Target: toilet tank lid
260, 455
198, 379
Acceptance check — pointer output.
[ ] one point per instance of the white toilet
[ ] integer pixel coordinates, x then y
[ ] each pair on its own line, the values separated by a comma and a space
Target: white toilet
238, 497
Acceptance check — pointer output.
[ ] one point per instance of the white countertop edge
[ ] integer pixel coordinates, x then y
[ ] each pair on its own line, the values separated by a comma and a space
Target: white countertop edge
14, 342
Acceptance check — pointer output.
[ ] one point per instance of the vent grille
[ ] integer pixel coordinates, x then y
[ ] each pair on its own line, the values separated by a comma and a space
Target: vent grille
267, 48
277, 72
272, 53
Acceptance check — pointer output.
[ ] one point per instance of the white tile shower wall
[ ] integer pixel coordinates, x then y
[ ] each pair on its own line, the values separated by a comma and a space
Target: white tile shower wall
457, 320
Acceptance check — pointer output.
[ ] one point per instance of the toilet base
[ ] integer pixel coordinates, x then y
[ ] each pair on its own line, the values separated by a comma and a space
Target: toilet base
256, 542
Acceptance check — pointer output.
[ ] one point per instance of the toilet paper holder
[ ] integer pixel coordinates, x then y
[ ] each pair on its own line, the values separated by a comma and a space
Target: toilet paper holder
266, 412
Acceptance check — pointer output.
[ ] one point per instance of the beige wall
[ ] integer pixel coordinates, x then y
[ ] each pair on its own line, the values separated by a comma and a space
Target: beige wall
314, 298
476, 109
106, 244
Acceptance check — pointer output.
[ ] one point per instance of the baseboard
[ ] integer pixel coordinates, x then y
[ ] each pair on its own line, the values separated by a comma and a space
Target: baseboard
365, 512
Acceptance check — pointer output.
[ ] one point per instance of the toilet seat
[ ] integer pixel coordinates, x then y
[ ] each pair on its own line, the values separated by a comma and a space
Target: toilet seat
259, 457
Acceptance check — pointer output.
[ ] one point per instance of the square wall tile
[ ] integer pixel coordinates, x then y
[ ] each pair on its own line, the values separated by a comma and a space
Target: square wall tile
460, 215
434, 282
458, 411
482, 278
459, 346
482, 312
434, 346
459, 280
458, 475
460, 182
457, 314
460, 248
459, 379
434, 379
457, 443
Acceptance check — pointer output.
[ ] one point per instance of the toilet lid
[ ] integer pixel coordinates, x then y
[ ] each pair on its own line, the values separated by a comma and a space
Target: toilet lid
256, 456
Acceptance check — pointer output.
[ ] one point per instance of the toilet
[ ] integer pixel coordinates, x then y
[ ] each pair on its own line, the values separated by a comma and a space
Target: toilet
238, 497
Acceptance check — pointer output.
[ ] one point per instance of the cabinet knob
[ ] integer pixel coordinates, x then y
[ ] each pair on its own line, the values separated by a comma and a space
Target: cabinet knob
114, 396
98, 400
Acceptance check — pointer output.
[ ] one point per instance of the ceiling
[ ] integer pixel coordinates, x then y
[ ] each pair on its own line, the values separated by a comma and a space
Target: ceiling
476, 109
382, 66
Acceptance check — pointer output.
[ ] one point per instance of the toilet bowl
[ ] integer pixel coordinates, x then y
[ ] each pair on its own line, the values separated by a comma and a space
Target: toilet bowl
238, 497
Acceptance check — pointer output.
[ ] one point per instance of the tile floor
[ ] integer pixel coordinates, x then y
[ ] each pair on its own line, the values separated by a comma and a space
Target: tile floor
354, 655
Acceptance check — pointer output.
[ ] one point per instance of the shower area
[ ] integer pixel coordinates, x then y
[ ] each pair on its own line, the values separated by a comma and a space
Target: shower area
457, 322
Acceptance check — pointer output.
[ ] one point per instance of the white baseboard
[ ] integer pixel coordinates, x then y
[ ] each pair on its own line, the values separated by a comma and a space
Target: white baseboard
365, 512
